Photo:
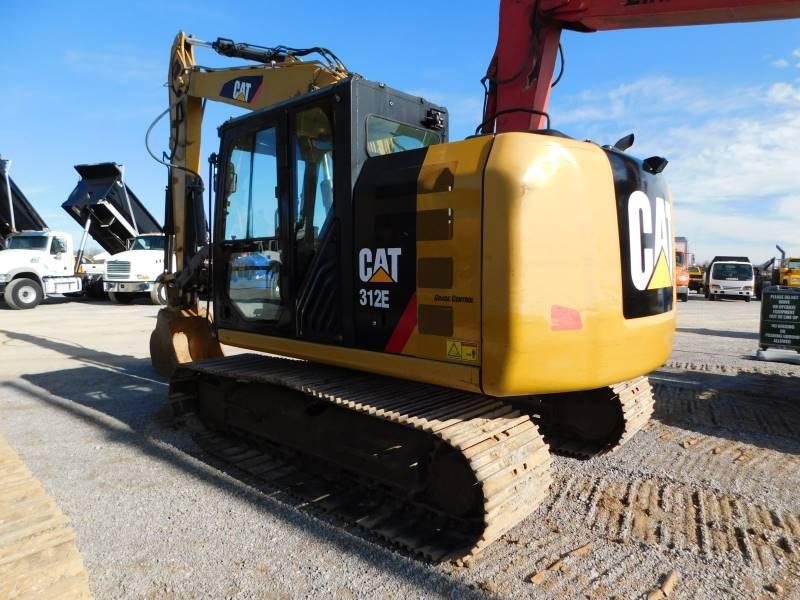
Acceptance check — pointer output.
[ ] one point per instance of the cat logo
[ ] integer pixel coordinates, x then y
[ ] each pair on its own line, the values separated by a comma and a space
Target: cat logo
380, 266
651, 254
242, 89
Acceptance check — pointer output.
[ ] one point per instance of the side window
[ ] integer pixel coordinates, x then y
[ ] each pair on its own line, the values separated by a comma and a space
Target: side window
251, 216
58, 246
312, 145
252, 184
385, 136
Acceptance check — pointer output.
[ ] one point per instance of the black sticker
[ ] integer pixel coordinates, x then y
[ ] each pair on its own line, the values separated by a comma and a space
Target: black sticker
644, 219
242, 89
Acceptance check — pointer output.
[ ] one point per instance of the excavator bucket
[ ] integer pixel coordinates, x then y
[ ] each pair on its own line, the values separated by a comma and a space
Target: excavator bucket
181, 336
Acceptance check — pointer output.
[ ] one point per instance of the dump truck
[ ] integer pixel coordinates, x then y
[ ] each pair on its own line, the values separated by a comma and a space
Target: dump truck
34, 262
107, 208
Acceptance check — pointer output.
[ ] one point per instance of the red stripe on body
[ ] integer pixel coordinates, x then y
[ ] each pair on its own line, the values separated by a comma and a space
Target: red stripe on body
404, 328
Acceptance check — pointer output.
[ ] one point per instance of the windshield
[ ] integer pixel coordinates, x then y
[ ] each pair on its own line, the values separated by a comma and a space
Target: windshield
794, 263
148, 242
737, 271
28, 242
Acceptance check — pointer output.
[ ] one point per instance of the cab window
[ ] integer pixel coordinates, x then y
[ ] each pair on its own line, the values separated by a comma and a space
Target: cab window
385, 136
58, 246
251, 186
252, 217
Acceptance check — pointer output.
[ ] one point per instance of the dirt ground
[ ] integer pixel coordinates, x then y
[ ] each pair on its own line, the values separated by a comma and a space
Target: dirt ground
708, 489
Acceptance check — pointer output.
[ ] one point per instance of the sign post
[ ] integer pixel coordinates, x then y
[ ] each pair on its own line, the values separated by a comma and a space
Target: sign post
780, 318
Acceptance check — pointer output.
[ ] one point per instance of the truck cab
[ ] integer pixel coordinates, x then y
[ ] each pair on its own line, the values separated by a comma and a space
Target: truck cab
730, 279
695, 278
36, 264
790, 272
134, 272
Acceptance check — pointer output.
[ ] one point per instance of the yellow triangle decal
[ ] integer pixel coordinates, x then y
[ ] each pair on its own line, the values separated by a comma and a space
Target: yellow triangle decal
661, 277
381, 276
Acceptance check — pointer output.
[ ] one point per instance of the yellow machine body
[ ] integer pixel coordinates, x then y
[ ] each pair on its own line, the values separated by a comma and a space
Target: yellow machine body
522, 205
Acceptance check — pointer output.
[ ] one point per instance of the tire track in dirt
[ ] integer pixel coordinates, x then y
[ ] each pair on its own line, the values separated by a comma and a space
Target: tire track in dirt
707, 365
712, 408
674, 515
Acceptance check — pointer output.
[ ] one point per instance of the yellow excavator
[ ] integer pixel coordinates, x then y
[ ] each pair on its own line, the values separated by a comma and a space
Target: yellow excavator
411, 374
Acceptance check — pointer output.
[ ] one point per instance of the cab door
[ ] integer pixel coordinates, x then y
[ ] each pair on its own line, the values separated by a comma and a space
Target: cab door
58, 260
252, 280
277, 244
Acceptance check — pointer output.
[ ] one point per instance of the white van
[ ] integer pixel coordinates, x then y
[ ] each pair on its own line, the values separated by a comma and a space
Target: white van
730, 279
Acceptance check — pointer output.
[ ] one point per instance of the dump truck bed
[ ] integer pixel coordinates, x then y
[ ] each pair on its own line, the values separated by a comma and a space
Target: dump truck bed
116, 213
25, 216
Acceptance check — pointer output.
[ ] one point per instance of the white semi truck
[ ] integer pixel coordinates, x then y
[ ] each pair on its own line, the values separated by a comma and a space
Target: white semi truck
36, 264
134, 272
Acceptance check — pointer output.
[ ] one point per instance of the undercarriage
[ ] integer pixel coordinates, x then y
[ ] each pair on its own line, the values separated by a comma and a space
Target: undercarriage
439, 472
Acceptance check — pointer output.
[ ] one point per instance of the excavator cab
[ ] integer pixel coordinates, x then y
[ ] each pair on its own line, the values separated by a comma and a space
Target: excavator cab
283, 224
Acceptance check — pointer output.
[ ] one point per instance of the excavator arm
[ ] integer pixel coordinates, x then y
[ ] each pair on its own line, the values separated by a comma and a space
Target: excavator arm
275, 74
279, 74
519, 77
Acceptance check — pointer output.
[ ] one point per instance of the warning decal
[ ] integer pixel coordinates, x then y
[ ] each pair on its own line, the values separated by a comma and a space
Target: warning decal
462, 350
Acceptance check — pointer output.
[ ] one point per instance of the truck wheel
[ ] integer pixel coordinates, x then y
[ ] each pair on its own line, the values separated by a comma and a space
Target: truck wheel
23, 293
120, 297
747, 299
95, 290
158, 295
684, 297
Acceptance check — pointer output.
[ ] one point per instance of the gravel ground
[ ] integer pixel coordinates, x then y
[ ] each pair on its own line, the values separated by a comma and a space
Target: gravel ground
708, 489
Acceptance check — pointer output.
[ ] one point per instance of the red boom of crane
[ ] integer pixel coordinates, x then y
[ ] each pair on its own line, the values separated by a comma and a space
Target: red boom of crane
520, 74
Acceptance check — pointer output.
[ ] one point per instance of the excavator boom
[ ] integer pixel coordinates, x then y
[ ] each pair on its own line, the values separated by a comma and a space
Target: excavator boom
520, 73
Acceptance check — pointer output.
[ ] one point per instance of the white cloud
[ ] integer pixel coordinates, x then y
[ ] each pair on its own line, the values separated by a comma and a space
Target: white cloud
783, 93
781, 63
733, 155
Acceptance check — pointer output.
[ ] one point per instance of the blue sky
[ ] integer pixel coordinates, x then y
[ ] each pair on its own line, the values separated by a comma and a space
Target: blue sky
81, 82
